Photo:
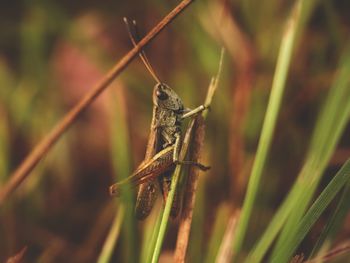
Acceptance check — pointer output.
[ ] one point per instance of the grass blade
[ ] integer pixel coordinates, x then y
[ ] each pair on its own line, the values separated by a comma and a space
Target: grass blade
303, 227
278, 85
328, 129
122, 167
330, 125
108, 246
335, 222
166, 213
151, 230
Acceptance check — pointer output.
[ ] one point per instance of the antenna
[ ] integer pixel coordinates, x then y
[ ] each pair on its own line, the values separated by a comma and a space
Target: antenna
133, 34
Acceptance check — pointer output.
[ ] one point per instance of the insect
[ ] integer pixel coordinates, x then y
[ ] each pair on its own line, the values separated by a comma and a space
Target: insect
164, 142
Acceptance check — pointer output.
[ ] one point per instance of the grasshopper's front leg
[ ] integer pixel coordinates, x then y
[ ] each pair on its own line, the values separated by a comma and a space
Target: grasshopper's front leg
191, 112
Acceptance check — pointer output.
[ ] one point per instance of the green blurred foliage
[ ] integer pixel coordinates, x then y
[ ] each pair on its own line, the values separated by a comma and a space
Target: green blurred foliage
53, 52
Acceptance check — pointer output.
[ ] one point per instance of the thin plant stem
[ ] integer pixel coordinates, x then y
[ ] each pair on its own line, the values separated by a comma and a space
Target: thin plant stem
191, 186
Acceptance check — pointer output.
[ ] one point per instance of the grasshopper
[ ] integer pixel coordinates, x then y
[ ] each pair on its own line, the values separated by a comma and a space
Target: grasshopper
164, 143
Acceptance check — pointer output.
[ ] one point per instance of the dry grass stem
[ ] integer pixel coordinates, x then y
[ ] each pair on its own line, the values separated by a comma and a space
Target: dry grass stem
190, 193
191, 186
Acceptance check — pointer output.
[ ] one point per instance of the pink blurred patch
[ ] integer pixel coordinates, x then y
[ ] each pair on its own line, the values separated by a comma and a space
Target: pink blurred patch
76, 74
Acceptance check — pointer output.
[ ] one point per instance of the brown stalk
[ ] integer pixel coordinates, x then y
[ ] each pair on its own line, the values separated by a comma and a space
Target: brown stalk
52, 137
192, 182
190, 190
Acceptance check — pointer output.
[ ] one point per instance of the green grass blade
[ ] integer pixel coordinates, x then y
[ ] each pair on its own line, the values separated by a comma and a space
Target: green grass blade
284, 58
303, 227
108, 246
169, 202
328, 129
122, 167
271, 231
335, 222
150, 235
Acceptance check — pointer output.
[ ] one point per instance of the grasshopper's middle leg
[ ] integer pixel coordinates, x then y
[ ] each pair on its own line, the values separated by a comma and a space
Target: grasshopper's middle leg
177, 152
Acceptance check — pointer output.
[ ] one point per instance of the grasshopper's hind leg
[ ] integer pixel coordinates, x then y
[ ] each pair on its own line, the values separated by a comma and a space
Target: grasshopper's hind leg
146, 197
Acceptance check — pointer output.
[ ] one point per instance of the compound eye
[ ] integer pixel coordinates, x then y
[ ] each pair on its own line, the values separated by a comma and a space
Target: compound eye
161, 95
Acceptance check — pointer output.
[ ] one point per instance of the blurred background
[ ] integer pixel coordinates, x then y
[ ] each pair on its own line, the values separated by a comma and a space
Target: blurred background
53, 52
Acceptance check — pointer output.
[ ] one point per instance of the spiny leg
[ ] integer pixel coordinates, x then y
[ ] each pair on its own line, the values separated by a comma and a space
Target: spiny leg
199, 165
176, 155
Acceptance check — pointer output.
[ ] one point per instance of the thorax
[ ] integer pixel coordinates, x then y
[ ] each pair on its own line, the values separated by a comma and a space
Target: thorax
168, 124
